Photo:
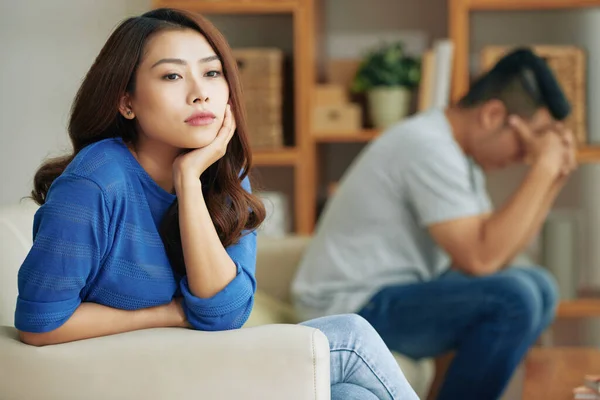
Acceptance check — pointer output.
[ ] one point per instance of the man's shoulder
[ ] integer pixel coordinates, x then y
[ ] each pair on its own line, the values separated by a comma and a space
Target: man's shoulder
421, 137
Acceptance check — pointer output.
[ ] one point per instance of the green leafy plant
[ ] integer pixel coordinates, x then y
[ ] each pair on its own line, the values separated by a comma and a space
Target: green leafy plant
387, 66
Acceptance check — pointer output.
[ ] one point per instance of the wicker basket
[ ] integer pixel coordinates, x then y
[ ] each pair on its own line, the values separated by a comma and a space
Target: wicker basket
261, 72
569, 66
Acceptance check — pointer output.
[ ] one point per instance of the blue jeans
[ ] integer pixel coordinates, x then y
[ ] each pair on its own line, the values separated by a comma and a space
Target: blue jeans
362, 367
490, 322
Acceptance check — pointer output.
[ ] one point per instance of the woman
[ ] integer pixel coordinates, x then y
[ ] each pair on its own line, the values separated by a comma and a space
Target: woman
151, 221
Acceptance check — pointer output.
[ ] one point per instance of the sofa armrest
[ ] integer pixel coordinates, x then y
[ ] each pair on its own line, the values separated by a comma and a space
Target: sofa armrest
267, 362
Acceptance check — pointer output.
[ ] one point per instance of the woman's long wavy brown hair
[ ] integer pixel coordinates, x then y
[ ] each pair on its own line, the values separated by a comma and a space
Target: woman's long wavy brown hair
95, 116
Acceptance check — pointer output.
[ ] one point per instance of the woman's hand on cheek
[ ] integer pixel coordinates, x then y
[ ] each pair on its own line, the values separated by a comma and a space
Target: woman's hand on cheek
192, 164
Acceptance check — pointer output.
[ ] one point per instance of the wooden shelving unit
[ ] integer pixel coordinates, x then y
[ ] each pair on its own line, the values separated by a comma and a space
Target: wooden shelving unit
589, 154
346, 137
499, 5
585, 155
459, 27
231, 6
274, 158
301, 157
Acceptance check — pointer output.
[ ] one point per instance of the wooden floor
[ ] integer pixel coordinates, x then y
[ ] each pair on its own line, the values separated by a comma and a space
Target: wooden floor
552, 373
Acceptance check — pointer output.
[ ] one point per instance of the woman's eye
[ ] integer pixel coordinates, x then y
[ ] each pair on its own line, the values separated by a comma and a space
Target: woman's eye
213, 74
172, 77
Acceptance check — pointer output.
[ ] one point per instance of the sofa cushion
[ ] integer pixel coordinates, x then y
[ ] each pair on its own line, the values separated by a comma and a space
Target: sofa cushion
268, 310
419, 373
276, 263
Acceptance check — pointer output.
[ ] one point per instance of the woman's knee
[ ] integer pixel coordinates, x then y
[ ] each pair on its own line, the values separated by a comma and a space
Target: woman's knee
354, 322
349, 391
344, 328
349, 323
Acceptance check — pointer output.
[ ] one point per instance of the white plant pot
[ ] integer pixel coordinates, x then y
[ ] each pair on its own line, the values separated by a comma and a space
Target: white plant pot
388, 105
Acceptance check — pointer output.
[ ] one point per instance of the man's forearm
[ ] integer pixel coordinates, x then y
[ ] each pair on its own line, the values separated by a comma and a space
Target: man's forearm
541, 216
92, 320
508, 230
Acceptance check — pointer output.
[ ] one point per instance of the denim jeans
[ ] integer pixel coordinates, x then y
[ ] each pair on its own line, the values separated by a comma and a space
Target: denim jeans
490, 322
362, 367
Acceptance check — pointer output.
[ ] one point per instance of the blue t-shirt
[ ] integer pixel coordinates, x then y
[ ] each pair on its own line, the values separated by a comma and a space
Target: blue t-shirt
96, 239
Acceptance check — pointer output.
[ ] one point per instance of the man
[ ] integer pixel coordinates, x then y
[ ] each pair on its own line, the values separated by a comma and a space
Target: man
411, 243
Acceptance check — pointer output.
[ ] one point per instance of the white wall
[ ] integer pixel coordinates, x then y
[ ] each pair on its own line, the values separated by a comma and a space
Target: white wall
46, 47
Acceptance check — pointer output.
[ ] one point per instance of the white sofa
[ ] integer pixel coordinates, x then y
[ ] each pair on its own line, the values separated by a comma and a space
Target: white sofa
269, 359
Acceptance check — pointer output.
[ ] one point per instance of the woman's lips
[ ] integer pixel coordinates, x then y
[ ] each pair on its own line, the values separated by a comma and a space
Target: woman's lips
200, 121
200, 118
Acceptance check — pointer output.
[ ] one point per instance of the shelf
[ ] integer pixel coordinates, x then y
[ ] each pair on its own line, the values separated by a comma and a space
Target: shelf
589, 154
579, 308
230, 6
277, 157
346, 137
529, 4
585, 155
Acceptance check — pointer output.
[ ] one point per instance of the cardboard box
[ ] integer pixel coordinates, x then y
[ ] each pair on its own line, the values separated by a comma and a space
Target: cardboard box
341, 118
342, 71
330, 94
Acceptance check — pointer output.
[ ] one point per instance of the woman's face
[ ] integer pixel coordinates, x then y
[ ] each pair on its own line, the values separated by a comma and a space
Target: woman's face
180, 91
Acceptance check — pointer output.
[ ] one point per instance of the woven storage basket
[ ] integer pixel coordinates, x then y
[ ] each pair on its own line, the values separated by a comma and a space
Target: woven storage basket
569, 66
261, 72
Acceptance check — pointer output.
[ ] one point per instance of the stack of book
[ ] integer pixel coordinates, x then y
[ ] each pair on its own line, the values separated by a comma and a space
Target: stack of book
590, 390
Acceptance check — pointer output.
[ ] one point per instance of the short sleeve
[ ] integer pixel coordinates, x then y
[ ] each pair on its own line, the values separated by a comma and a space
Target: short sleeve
485, 203
70, 234
440, 187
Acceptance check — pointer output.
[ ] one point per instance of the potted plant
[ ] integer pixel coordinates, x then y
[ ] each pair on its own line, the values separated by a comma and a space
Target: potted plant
387, 75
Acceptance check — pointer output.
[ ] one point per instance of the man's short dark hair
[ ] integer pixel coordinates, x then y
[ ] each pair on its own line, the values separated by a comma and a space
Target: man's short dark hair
518, 92
523, 82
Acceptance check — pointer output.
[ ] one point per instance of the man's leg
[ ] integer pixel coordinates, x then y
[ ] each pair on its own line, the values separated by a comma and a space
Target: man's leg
489, 321
548, 289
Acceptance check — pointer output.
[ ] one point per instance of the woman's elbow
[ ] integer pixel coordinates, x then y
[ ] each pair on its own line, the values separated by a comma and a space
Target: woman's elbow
34, 339
231, 321
42, 339
244, 315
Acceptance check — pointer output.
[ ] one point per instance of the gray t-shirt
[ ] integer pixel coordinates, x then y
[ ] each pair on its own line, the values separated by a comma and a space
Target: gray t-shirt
373, 232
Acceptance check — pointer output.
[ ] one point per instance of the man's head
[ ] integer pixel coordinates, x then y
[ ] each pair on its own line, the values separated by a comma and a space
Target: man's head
522, 84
